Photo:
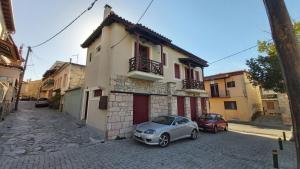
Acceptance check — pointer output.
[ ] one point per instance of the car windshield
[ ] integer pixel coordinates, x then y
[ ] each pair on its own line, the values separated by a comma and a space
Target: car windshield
207, 117
166, 120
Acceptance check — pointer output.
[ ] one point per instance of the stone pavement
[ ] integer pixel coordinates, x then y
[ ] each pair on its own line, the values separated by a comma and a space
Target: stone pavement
210, 151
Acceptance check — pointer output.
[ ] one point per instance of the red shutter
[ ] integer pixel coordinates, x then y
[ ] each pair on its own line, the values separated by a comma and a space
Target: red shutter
140, 109
193, 108
177, 71
197, 76
180, 106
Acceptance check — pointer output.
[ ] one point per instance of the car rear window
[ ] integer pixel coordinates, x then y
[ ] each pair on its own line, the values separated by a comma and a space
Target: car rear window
207, 117
166, 120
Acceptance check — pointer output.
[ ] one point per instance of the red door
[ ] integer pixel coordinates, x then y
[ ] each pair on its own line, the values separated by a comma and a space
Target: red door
193, 108
180, 105
140, 109
203, 105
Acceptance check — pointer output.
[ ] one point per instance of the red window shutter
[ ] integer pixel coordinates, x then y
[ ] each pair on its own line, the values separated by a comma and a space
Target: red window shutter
177, 71
163, 59
197, 76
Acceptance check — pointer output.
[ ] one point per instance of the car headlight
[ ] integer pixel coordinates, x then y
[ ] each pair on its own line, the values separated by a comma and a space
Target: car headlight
149, 131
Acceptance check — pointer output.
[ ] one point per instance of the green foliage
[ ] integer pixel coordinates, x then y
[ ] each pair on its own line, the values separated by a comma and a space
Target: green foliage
265, 70
55, 100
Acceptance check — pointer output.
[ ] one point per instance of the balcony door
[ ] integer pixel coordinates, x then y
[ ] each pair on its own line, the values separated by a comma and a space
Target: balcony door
187, 74
214, 89
144, 63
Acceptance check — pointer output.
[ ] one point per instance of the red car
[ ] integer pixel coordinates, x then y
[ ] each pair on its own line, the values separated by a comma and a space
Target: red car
212, 122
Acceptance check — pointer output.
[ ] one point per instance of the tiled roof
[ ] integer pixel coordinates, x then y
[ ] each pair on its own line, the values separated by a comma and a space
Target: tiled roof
8, 14
142, 29
224, 75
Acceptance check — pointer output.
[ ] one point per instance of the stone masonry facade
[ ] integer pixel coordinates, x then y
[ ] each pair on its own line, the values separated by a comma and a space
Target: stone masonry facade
162, 101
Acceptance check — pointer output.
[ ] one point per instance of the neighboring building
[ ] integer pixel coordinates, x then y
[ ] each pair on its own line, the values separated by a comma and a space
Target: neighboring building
72, 102
68, 76
232, 95
47, 87
276, 104
10, 59
30, 89
134, 79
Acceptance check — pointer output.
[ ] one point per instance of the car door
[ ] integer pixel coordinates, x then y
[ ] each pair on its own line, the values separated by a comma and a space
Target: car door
178, 130
220, 122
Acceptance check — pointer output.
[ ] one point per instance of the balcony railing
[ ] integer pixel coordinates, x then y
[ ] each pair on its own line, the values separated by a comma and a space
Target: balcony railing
192, 84
145, 65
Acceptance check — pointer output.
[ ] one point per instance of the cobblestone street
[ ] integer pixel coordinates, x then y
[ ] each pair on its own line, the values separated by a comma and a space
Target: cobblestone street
42, 139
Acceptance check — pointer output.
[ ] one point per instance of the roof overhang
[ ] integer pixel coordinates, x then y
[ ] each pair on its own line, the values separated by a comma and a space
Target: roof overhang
192, 62
9, 50
8, 15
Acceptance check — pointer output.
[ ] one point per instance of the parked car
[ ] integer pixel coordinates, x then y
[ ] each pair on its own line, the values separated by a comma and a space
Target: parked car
165, 129
212, 122
42, 102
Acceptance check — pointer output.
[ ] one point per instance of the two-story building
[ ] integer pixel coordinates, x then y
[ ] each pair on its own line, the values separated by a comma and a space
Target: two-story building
134, 74
232, 95
10, 59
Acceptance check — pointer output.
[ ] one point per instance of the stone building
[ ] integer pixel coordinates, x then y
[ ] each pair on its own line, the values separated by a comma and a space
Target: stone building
134, 74
232, 95
10, 60
30, 89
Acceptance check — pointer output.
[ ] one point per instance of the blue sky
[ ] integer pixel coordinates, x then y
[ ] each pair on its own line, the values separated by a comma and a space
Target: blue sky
210, 29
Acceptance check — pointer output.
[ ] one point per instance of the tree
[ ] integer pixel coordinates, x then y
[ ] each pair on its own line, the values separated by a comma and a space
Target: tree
265, 70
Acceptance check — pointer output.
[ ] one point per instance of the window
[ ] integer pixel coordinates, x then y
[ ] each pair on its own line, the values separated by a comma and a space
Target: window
231, 84
98, 48
97, 93
230, 105
181, 120
177, 71
163, 59
214, 90
90, 57
197, 76
270, 105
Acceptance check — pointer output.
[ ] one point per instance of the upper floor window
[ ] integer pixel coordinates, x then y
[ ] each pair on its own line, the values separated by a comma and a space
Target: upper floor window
97, 93
231, 84
177, 71
230, 105
90, 57
164, 59
214, 89
197, 75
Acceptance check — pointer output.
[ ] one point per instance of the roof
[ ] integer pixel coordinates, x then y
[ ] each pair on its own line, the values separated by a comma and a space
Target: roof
224, 75
66, 64
8, 15
144, 31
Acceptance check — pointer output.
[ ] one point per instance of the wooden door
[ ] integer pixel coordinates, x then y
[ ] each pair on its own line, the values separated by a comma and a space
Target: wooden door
140, 109
180, 106
193, 108
86, 105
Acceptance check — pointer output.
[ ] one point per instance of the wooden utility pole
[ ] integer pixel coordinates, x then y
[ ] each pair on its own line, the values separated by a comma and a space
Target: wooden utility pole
289, 55
21, 78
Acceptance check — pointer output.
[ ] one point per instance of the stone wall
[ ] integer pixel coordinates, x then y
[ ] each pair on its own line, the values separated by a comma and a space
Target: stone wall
119, 115
172, 105
284, 107
125, 84
187, 107
158, 106
198, 108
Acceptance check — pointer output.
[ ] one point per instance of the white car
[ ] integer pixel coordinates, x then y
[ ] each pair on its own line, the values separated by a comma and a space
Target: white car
165, 129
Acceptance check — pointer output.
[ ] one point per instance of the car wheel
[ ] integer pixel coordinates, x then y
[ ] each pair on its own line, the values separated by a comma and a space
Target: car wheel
215, 129
164, 140
194, 134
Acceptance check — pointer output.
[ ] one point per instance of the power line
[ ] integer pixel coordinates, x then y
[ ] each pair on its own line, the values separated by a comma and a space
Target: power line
125, 36
236, 53
52, 37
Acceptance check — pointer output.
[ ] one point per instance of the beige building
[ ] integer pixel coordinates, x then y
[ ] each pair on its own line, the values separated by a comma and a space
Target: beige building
276, 104
30, 89
134, 79
10, 59
232, 95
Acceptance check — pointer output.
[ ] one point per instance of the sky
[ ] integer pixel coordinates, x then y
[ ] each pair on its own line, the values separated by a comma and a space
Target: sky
210, 29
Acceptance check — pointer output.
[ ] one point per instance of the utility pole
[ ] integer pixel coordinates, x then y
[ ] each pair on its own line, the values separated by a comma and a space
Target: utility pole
289, 55
22, 77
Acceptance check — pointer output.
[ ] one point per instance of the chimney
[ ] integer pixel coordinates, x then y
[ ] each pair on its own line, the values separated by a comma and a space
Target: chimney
107, 10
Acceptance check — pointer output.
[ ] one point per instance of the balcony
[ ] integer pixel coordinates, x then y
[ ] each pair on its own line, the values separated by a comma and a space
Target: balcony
224, 94
145, 69
192, 85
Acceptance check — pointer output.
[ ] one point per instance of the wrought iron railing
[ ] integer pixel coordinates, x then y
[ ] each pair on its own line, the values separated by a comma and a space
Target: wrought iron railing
192, 84
145, 65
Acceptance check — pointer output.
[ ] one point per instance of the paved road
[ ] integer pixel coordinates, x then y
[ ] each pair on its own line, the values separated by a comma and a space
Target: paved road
210, 151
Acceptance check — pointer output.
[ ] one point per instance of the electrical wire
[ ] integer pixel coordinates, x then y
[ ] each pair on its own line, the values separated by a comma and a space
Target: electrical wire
236, 53
52, 37
140, 18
